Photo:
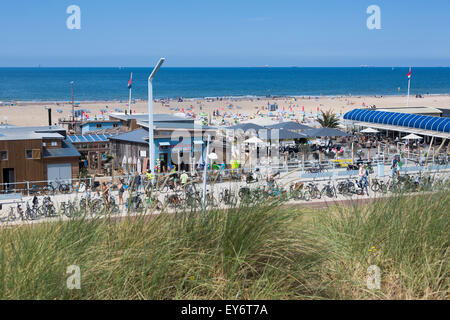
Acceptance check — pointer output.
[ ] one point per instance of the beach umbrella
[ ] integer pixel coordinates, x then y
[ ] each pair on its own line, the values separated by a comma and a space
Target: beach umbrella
369, 130
412, 136
254, 140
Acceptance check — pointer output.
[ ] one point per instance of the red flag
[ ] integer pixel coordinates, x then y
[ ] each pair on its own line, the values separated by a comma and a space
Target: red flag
317, 108
303, 108
129, 82
409, 73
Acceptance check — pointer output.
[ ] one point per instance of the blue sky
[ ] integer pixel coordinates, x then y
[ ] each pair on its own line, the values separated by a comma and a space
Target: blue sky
224, 33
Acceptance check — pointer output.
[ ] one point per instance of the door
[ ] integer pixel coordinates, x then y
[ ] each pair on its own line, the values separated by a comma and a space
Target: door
61, 172
8, 178
163, 161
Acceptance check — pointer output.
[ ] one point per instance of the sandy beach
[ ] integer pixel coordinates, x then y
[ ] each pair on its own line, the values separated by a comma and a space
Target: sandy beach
34, 113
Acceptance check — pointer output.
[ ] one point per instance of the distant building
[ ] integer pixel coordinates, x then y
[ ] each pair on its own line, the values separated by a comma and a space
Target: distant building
94, 126
36, 154
94, 149
132, 147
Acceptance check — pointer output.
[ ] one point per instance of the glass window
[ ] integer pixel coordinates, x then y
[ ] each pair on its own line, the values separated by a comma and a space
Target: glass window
29, 154
54, 144
99, 125
4, 155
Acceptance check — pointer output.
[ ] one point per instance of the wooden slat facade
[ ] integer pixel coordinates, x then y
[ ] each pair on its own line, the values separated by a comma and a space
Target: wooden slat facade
34, 169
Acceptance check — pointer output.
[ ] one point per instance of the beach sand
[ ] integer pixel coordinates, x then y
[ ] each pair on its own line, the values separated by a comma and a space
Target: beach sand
34, 113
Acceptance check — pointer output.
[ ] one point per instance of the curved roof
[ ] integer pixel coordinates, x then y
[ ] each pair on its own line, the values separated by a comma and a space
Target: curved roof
400, 119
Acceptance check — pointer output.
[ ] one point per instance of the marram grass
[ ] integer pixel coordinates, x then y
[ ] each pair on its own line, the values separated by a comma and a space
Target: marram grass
263, 252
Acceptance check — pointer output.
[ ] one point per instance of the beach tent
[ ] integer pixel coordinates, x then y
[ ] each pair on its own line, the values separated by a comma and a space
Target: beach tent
254, 140
412, 136
326, 132
369, 130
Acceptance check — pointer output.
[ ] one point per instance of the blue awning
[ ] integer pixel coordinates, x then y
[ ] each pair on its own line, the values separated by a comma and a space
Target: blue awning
407, 120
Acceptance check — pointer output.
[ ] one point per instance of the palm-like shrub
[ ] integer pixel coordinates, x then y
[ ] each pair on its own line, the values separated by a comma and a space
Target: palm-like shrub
328, 120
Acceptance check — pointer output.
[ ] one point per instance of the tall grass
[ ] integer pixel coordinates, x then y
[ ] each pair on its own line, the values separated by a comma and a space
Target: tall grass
268, 251
406, 237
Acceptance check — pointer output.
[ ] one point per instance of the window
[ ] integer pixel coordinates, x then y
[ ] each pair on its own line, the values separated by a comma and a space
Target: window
3, 155
33, 154
54, 143
44, 144
99, 125
115, 125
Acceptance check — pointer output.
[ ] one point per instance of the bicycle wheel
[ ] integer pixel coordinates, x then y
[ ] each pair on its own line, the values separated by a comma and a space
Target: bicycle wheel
306, 196
375, 186
333, 193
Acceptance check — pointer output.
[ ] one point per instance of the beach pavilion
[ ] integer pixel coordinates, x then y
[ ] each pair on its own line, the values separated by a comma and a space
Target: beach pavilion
434, 129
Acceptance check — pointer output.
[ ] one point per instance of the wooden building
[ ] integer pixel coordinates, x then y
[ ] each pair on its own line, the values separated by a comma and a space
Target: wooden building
31, 154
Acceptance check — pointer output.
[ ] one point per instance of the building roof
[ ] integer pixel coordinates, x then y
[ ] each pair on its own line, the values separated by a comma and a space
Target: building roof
88, 122
136, 136
283, 134
89, 138
31, 133
157, 117
246, 126
414, 110
326, 132
67, 150
175, 125
404, 120
289, 125
445, 112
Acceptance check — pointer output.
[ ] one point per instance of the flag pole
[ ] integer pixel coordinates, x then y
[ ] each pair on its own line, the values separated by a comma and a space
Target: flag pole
409, 84
129, 99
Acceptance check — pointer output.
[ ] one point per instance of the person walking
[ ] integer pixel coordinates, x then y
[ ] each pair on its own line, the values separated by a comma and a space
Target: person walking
184, 179
105, 192
394, 167
121, 191
363, 181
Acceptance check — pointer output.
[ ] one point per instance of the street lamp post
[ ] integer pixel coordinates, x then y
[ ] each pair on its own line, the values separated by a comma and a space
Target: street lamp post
73, 109
151, 145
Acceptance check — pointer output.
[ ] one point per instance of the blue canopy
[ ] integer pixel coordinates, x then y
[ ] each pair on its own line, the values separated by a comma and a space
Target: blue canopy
407, 120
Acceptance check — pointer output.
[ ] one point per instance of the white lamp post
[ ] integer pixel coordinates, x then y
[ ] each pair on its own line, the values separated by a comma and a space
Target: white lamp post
151, 144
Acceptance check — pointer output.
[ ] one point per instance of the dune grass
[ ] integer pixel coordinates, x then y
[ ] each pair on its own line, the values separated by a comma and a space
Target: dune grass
263, 252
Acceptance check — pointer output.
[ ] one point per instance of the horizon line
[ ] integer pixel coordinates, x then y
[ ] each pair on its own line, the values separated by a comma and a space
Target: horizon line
224, 67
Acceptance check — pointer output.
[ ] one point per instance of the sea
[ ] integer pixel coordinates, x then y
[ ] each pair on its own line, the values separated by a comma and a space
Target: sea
101, 84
